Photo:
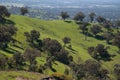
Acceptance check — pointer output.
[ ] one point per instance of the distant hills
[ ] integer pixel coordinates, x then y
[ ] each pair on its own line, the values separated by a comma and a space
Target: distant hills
63, 3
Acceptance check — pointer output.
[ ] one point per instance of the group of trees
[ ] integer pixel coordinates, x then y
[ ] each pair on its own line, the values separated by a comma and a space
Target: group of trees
99, 52
3, 13
7, 31
89, 70
79, 16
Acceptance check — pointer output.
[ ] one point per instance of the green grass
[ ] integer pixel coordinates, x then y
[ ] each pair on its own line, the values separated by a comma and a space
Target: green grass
58, 29
13, 75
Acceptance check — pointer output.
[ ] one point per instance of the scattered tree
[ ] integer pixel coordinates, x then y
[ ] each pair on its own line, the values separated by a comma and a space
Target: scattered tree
100, 19
51, 46
23, 10
116, 40
31, 54
19, 60
64, 15
33, 39
84, 28
79, 16
66, 40
92, 15
95, 29
117, 71
108, 36
99, 52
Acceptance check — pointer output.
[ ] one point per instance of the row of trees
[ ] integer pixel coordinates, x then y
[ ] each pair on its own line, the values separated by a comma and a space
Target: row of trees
79, 16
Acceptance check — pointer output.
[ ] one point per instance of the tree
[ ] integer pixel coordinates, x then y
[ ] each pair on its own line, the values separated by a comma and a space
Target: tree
92, 15
95, 29
62, 56
118, 24
102, 50
3, 13
19, 60
6, 34
79, 16
101, 19
3, 61
84, 28
99, 52
89, 70
108, 25
108, 36
33, 66
51, 46
31, 54
117, 71
116, 40
64, 15
33, 38
92, 67
23, 10
66, 40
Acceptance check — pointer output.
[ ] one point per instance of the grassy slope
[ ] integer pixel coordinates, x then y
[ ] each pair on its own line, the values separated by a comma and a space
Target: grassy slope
57, 29
14, 75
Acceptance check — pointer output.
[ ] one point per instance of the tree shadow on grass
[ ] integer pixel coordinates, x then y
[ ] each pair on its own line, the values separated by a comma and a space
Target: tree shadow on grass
54, 70
18, 47
10, 50
72, 50
67, 21
99, 37
10, 22
104, 59
7, 22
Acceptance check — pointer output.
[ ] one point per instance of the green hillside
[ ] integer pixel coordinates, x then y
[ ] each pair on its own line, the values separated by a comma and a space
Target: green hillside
20, 75
58, 29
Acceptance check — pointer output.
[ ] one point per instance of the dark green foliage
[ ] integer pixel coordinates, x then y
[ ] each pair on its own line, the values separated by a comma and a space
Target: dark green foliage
108, 36
3, 62
33, 66
95, 29
55, 49
31, 54
79, 16
101, 19
83, 27
90, 70
3, 13
99, 52
117, 24
116, 40
23, 10
66, 40
64, 15
19, 60
92, 67
52, 46
33, 39
108, 25
6, 33
117, 71
92, 15
32, 36
62, 56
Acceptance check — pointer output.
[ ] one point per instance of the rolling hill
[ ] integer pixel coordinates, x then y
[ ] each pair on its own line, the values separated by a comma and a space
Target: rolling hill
58, 29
